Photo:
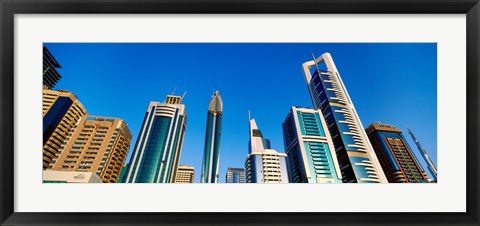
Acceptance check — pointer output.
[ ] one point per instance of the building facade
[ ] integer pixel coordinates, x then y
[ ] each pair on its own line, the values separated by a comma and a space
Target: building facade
328, 93
211, 152
157, 151
235, 175
50, 73
309, 147
97, 144
185, 174
395, 155
263, 164
61, 112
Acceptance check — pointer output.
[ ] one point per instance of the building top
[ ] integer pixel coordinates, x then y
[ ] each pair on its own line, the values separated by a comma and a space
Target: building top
382, 127
216, 104
171, 99
235, 169
51, 58
186, 167
268, 152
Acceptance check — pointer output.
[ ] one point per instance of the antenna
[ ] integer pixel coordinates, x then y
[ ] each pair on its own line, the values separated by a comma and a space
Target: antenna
184, 93
316, 65
249, 115
174, 89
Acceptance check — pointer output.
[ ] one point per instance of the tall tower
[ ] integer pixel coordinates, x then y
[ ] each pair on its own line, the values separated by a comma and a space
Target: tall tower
431, 167
395, 155
97, 144
159, 144
211, 152
309, 147
355, 154
61, 112
263, 164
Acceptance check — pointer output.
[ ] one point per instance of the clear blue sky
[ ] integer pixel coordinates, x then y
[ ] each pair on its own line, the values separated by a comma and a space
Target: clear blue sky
391, 83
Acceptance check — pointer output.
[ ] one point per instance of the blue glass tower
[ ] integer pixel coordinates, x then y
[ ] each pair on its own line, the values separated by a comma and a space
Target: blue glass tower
211, 152
158, 148
309, 147
357, 159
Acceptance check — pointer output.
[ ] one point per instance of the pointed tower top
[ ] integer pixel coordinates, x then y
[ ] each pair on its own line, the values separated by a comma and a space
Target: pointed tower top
216, 104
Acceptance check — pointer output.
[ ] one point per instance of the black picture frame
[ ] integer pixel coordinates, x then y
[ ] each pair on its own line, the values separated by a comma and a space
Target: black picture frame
9, 8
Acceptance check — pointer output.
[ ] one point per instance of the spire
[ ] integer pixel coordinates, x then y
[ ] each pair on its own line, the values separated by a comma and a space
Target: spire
216, 104
431, 166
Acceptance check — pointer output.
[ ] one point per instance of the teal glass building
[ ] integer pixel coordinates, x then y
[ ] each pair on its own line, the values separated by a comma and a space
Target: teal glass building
211, 152
309, 147
156, 155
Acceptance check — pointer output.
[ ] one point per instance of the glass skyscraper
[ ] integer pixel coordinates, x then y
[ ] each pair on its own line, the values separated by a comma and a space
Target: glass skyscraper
309, 147
395, 155
156, 155
355, 154
211, 152
431, 166
263, 164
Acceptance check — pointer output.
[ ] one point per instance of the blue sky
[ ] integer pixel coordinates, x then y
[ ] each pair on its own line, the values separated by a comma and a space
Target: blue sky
388, 82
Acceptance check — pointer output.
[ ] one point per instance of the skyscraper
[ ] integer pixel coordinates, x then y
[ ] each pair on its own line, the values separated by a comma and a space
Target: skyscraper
309, 147
211, 152
61, 111
235, 175
50, 73
263, 164
431, 166
395, 155
97, 144
159, 144
355, 154
185, 174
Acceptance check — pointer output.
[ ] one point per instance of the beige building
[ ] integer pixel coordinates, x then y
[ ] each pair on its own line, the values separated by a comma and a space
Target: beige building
97, 144
61, 111
185, 174
51, 176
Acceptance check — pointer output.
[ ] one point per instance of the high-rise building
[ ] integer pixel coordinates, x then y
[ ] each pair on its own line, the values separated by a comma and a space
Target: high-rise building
431, 166
263, 164
309, 147
159, 144
235, 175
395, 155
50, 73
355, 154
61, 111
211, 152
97, 144
185, 174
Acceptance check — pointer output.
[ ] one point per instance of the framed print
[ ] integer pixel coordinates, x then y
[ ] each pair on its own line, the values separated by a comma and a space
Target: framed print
208, 112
